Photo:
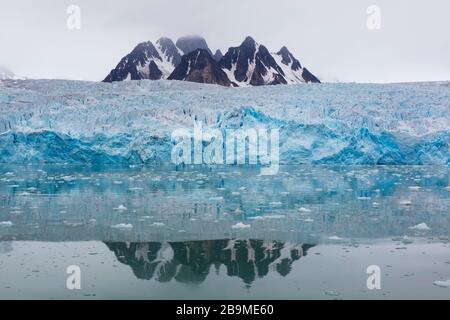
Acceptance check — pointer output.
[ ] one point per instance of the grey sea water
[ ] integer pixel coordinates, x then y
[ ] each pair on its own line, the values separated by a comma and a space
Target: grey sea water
309, 232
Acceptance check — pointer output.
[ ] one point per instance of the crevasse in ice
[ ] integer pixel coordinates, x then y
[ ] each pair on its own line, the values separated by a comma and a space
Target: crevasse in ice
60, 121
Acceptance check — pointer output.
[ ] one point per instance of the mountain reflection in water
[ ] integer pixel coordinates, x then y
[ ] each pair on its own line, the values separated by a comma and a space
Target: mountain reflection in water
191, 261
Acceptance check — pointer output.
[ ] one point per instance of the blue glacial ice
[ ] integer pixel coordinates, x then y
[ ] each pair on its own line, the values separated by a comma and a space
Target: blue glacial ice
60, 121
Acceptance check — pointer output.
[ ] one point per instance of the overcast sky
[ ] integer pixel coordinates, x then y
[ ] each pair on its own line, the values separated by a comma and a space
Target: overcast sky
329, 37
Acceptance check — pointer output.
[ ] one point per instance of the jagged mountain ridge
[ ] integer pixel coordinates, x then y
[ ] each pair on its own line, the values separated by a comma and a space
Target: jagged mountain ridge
250, 64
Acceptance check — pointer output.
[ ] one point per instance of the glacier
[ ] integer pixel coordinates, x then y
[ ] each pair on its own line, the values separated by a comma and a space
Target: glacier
129, 123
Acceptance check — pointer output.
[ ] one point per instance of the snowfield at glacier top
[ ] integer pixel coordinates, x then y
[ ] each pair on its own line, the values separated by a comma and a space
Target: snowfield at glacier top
61, 121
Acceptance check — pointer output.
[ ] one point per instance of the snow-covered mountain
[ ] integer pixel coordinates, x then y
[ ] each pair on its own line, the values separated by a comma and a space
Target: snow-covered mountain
250, 64
293, 72
147, 61
200, 66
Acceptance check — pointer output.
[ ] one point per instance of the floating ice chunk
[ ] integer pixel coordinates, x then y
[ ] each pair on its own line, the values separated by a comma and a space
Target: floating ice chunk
421, 226
332, 293
121, 208
73, 224
302, 209
257, 218
308, 220
123, 226
375, 205
275, 216
335, 238
158, 224
6, 223
407, 240
414, 188
364, 198
135, 189
240, 225
216, 198
275, 203
406, 203
442, 284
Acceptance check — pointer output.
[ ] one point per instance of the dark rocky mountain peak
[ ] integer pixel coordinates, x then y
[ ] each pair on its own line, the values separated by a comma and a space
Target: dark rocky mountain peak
309, 77
133, 65
288, 59
168, 48
200, 66
218, 55
249, 64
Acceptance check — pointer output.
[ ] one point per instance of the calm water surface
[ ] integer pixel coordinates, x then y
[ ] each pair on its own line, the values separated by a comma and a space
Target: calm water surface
225, 233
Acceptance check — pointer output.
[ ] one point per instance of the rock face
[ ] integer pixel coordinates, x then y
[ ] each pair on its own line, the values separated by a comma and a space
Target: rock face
199, 66
218, 55
309, 77
249, 64
170, 52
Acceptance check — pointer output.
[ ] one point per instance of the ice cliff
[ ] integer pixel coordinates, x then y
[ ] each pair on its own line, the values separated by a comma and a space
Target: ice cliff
61, 121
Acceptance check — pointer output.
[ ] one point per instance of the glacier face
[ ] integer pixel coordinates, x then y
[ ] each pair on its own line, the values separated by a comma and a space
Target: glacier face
61, 121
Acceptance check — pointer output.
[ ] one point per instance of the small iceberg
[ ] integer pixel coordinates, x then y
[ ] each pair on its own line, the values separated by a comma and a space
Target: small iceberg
240, 225
407, 240
123, 226
442, 284
302, 209
332, 293
275, 216
6, 223
158, 224
257, 218
121, 208
421, 226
